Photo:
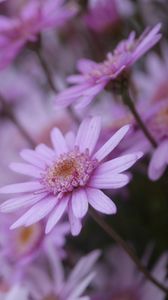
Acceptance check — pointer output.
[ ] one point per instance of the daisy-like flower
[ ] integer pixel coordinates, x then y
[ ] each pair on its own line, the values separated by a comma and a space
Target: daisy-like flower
23, 244
95, 76
36, 16
55, 286
69, 177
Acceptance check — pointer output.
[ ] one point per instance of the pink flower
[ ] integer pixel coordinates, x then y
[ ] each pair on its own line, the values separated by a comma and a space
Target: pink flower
105, 13
158, 124
23, 244
69, 177
35, 17
95, 76
44, 285
119, 279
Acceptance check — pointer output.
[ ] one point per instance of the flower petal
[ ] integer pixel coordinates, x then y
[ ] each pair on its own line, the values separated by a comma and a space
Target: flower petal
33, 158
99, 201
24, 187
111, 143
26, 169
75, 223
21, 201
36, 213
57, 213
58, 141
79, 203
119, 164
88, 134
110, 181
158, 162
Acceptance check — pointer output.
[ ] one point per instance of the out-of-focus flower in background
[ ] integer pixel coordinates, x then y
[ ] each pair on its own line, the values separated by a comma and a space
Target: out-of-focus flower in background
95, 76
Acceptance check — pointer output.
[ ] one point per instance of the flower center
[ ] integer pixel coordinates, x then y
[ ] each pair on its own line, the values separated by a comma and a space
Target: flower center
71, 170
26, 239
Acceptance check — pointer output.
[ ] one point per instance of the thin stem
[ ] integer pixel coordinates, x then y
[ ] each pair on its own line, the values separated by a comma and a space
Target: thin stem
114, 235
128, 101
46, 70
51, 83
10, 115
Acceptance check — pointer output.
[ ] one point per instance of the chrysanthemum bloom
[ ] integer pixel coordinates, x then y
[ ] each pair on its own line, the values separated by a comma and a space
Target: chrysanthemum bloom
23, 244
36, 16
69, 177
95, 76
118, 278
53, 286
106, 13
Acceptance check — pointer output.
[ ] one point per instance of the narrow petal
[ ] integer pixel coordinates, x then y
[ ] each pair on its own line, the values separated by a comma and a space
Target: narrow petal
79, 203
26, 169
80, 288
119, 164
58, 141
158, 162
21, 201
111, 143
88, 134
75, 223
33, 158
24, 187
47, 153
36, 213
99, 201
57, 213
110, 181
70, 139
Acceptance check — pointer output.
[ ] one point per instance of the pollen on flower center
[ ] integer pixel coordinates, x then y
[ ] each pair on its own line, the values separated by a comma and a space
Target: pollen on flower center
26, 234
71, 170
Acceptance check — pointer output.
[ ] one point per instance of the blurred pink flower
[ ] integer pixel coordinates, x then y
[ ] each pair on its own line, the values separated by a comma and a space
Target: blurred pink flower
23, 244
158, 124
54, 286
36, 16
118, 278
105, 13
95, 76
69, 177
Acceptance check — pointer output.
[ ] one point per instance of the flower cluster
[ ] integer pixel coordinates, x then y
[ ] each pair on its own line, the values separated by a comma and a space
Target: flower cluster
83, 154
